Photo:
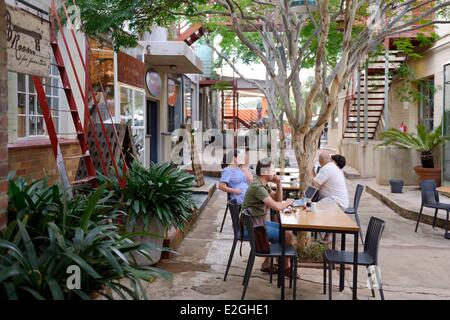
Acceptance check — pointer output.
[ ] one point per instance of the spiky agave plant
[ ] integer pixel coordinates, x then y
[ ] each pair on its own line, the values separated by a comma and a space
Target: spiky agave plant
425, 142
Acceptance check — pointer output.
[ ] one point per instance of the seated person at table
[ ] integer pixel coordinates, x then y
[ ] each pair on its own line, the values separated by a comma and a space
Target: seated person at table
233, 180
331, 180
260, 196
339, 160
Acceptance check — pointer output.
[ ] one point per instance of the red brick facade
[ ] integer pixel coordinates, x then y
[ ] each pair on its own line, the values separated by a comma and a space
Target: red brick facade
33, 159
3, 117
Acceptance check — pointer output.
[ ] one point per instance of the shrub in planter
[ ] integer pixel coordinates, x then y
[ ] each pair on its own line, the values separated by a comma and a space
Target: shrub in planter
49, 233
424, 142
160, 195
312, 253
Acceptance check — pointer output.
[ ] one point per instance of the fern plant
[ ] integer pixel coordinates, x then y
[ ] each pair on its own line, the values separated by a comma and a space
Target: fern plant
425, 142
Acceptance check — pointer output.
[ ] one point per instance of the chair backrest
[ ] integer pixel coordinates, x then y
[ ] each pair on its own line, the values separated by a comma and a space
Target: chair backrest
234, 212
248, 224
428, 191
228, 196
358, 193
373, 237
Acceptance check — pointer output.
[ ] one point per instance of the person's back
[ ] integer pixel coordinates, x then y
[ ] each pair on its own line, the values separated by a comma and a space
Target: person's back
332, 184
235, 178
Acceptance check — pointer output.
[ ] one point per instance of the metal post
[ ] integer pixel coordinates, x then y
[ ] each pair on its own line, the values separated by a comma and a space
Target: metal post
358, 107
386, 90
223, 110
234, 115
237, 106
366, 104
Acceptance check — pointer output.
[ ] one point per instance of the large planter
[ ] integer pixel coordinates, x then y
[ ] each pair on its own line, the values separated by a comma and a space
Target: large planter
155, 254
429, 174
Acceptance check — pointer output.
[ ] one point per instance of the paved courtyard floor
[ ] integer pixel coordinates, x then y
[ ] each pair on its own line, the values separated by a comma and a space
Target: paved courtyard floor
413, 265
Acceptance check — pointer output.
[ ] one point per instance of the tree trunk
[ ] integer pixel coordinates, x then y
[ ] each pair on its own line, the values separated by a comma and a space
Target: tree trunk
305, 148
282, 149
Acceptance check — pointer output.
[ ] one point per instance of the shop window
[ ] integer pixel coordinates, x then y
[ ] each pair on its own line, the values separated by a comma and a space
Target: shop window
187, 110
174, 101
132, 112
426, 103
101, 75
30, 121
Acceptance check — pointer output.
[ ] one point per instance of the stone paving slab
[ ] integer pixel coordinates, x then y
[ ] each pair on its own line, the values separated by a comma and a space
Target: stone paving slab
407, 204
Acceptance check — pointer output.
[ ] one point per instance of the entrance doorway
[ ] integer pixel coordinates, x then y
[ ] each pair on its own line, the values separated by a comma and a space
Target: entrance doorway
152, 128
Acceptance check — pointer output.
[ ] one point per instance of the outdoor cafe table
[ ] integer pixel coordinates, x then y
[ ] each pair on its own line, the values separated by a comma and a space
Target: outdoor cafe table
445, 190
328, 217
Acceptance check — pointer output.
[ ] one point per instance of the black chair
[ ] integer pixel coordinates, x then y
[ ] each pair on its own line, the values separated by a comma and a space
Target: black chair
226, 210
354, 209
430, 199
275, 252
234, 212
367, 258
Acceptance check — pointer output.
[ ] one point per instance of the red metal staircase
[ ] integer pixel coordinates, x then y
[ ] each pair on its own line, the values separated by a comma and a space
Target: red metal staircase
80, 132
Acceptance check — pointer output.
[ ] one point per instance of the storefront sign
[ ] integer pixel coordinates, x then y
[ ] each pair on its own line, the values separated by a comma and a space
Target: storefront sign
172, 96
130, 70
153, 81
28, 43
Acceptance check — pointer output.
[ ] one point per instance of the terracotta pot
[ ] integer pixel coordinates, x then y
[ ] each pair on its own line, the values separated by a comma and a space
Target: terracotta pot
429, 174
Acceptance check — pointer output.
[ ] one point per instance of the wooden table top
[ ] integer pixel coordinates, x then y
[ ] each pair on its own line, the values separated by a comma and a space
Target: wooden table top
445, 189
327, 217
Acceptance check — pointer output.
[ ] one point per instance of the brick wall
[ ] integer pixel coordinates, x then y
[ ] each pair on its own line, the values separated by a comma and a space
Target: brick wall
3, 117
34, 161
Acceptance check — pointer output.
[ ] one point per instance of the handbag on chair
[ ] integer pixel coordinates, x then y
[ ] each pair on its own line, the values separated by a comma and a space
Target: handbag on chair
262, 243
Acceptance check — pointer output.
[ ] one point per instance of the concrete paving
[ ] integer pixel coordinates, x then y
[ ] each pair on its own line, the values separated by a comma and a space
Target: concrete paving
413, 265
407, 204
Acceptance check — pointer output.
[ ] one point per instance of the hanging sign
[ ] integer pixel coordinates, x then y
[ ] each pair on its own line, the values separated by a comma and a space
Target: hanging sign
172, 96
153, 81
28, 43
130, 70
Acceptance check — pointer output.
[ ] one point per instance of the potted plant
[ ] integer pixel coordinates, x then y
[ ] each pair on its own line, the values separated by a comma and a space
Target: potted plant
424, 142
155, 199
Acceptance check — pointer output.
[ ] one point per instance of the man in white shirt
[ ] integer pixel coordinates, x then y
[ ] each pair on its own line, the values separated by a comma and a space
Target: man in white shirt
331, 181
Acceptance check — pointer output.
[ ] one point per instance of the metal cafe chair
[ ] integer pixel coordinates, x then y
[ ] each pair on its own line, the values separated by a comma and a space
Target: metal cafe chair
275, 252
430, 199
226, 211
354, 209
367, 258
239, 235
